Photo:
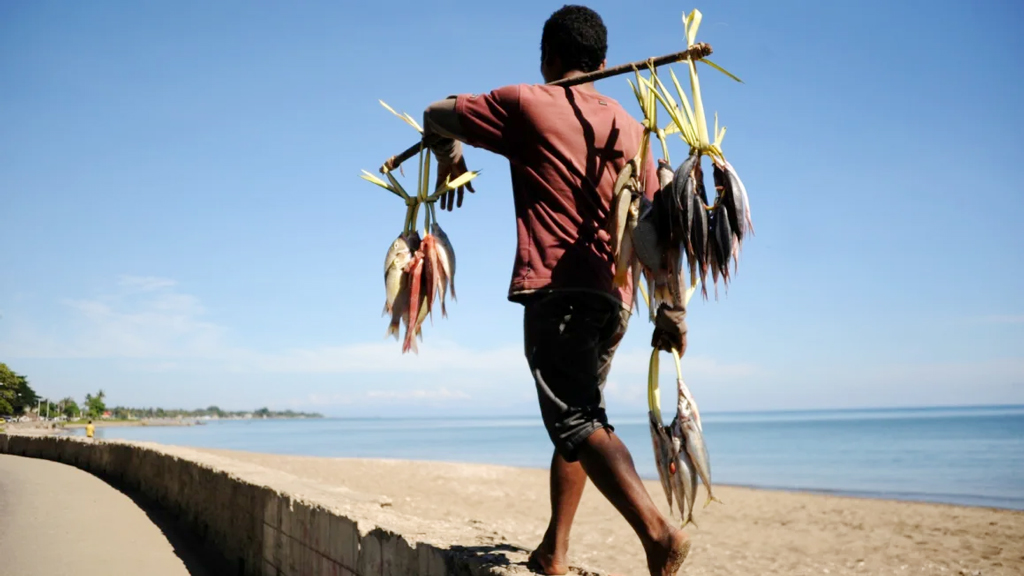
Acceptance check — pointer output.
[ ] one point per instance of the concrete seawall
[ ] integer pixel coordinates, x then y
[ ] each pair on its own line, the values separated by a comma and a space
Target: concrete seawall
268, 523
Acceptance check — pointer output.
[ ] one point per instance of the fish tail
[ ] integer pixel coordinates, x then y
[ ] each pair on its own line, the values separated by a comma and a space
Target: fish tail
711, 499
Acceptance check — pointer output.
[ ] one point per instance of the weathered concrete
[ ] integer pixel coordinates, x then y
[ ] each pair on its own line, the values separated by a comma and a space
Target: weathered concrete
269, 523
57, 519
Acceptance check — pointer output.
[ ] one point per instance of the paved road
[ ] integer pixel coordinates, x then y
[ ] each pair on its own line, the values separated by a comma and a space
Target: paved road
57, 520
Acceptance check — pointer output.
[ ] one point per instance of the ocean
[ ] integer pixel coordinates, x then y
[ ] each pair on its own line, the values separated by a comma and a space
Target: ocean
971, 456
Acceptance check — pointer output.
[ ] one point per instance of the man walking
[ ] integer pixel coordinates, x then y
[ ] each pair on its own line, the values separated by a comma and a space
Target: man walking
566, 147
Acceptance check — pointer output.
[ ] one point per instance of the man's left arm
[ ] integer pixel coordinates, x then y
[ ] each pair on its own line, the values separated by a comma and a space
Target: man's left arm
489, 121
442, 134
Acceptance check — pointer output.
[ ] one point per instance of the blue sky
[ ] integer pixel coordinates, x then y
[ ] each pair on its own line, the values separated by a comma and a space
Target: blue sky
183, 223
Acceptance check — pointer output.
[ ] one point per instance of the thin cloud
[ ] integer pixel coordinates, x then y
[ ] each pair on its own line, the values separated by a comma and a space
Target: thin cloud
145, 283
436, 394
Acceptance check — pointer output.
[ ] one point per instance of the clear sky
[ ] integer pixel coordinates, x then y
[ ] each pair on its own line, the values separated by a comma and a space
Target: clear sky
183, 223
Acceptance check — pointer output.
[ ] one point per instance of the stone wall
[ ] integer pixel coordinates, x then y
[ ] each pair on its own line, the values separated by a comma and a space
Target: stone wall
264, 522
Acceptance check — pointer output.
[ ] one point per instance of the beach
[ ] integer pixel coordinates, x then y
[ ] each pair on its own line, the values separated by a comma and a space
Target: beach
752, 532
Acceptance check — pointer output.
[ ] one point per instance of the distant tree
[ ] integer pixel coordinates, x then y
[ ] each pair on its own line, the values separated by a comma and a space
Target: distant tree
7, 392
262, 413
94, 405
70, 408
23, 397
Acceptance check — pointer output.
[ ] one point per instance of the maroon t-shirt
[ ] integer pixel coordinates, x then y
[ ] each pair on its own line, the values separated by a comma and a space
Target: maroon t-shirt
566, 147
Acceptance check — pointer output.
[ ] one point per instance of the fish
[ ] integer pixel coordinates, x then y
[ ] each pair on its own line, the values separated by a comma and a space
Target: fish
693, 441
397, 257
684, 475
431, 283
733, 203
722, 241
674, 262
646, 238
663, 455
666, 212
682, 174
683, 186
446, 256
741, 193
626, 254
652, 294
400, 308
685, 391
413, 319
618, 218
699, 241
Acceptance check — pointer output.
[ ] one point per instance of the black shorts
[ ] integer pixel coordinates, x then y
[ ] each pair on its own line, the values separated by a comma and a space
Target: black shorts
570, 340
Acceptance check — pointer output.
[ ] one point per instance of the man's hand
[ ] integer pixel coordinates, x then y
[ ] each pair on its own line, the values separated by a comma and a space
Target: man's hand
447, 171
670, 329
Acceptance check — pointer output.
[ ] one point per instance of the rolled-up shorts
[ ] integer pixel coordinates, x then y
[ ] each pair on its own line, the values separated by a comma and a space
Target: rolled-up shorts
570, 339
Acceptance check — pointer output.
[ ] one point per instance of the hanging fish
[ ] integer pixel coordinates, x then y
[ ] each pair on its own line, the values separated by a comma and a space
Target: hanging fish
684, 475
722, 241
684, 186
446, 257
685, 424
413, 317
664, 454
740, 191
647, 242
699, 241
728, 197
397, 257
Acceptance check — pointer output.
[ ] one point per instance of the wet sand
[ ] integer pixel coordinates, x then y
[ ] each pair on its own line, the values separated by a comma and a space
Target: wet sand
753, 532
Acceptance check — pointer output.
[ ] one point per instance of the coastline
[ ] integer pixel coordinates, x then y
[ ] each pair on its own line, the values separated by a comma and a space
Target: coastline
46, 427
756, 531
485, 507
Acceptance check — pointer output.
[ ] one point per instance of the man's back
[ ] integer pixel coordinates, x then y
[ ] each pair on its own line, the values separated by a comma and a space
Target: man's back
566, 147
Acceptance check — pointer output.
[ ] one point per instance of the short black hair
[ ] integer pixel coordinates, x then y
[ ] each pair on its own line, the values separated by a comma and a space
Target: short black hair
577, 36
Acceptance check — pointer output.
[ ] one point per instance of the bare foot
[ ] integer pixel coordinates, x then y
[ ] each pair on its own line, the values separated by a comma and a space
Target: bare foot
666, 557
544, 560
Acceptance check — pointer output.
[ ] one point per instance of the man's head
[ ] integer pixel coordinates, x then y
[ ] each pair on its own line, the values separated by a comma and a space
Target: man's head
574, 39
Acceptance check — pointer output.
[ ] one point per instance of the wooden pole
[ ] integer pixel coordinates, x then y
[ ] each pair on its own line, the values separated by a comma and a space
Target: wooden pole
695, 52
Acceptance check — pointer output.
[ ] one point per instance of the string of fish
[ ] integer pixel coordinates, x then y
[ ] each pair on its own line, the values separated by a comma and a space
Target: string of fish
418, 270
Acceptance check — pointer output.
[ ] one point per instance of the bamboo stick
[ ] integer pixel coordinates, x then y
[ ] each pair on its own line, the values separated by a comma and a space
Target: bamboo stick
695, 52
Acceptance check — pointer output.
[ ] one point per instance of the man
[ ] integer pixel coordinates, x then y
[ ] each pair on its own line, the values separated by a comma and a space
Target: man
566, 147
90, 430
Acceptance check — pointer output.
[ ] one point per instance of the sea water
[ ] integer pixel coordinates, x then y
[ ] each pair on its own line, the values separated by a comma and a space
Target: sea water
972, 455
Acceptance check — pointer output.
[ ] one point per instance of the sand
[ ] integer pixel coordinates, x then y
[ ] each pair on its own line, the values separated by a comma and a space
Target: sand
753, 532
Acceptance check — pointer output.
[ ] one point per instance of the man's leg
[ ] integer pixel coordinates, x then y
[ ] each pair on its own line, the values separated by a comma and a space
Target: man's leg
608, 464
569, 345
567, 482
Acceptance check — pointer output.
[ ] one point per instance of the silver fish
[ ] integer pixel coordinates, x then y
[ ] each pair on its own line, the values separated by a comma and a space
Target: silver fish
684, 185
693, 440
447, 252
722, 241
663, 456
688, 396
684, 475
625, 255
397, 258
699, 241
741, 195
